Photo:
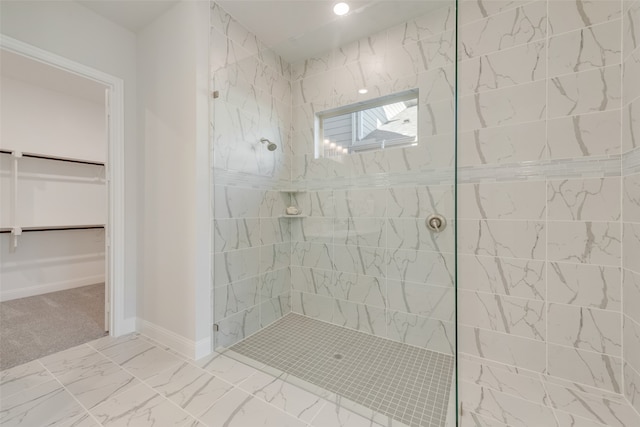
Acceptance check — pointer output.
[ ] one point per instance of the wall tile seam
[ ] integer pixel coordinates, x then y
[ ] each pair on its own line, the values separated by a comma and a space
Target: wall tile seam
546, 302
633, 368
516, 5
635, 51
625, 105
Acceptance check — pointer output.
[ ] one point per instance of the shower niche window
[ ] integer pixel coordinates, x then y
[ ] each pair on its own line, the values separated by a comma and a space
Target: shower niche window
380, 123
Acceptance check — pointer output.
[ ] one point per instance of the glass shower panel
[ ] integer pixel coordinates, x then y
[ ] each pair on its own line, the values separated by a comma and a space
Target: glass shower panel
348, 294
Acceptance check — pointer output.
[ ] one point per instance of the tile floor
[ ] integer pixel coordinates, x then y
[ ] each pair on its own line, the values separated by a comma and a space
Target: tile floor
408, 384
132, 381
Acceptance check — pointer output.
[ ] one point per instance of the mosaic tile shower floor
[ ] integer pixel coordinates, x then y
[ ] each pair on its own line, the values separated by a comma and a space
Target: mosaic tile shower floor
408, 384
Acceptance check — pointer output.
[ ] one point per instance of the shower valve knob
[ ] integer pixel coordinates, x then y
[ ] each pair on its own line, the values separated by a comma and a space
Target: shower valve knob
436, 223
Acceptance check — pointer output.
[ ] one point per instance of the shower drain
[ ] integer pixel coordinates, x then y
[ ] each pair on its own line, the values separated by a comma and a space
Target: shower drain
337, 356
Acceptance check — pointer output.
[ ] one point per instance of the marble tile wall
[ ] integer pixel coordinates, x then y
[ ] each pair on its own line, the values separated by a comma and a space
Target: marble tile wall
631, 202
540, 258
363, 257
252, 244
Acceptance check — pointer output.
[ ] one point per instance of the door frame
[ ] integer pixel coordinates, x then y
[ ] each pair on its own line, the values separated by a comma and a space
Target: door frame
114, 171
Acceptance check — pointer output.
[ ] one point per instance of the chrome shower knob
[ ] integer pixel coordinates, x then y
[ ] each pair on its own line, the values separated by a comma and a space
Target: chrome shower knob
436, 223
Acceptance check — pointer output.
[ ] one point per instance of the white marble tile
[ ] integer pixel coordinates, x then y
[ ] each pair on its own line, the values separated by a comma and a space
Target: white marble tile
369, 261
436, 302
584, 199
586, 48
333, 415
357, 288
234, 202
632, 386
274, 230
191, 388
436, 85
585, 328
315, 306
515, 316
308, 254
518, 65
594, 369
511, 28
631, 69
594, 134
429, 53
314, 229
360, 231
504, 407
360, 203
631, 198
240, 409
140, 405
287, 397
631, 29
238, 326
504, 238
22, 377
504, 200
234, 266
420, 201
567, 419
504, 144
315, 203
631, 126
226, 368
235, 297
313, 280
585, 92
409, 233
44, 404
274, 308
421, 267
275, 283
89, 376
503, 276
631, 284
146, 361
598, 409
509, 349
432, 334
586, 285
275, 257
313, 65
631, 243
566, 16
360, 317
503, 379
231, 234
511, 105
473, 10
584, 242
631, 332
471, 419
420, 27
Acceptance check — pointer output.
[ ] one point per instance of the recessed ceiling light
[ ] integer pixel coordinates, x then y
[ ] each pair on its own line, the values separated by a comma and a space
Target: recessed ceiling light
341, 9
363, 91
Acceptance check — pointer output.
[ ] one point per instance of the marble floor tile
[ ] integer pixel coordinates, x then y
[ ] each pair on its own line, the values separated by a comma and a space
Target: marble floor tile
144, 361
189, 387
333, 415
291, 399
138, 407
43, 405
240, 409
226, 368
22, 377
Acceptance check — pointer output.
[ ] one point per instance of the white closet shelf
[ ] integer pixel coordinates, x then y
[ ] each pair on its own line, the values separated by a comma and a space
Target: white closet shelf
58, 158
55, 227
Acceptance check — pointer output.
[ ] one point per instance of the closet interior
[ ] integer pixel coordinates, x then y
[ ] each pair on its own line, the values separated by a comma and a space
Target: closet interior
53, 210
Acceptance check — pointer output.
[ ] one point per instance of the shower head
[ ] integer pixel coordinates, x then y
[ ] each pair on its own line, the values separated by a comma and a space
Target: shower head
271, 146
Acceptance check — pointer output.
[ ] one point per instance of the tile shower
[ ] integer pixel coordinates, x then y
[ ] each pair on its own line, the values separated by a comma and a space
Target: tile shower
548, 201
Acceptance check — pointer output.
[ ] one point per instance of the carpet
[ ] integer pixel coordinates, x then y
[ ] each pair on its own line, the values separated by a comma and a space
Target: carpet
37, 326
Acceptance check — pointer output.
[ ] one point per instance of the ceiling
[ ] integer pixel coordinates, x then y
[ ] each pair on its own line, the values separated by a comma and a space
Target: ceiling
133, 15
295, 29
19, 67
299, 29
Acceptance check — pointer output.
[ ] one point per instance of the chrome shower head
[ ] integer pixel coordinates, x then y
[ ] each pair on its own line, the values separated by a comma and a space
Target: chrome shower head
271, 146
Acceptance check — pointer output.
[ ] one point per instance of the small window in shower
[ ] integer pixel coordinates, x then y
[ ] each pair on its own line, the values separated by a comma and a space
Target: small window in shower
385, 122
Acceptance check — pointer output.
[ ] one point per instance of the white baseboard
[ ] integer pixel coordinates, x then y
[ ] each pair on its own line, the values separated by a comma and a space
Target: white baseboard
178, 343
46, 288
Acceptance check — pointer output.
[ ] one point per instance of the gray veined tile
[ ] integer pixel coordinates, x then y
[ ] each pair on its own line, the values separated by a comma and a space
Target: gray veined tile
191, 388
584, 199
227, 369
240, 409
584, 242
287, 397
43, 405
586, 135
593, 369
139, 405
337, 416
22, 377
145, 362
568, 15
586, 285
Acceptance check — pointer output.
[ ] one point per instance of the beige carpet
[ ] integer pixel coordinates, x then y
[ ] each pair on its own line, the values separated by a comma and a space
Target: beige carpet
34, 327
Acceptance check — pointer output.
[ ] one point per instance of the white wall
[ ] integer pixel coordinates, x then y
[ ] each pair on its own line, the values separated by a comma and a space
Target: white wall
174, 293
38, 120
73, 31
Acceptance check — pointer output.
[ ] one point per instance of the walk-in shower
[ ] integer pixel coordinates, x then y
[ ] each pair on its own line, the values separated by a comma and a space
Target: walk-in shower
354, 298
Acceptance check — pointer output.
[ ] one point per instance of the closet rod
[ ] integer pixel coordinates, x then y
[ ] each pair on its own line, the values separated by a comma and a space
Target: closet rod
26, 230
60, 159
